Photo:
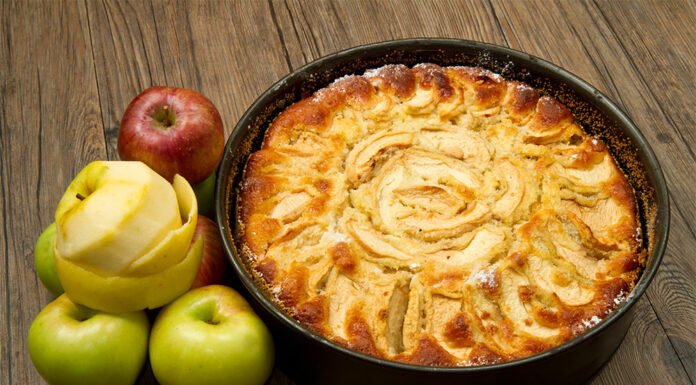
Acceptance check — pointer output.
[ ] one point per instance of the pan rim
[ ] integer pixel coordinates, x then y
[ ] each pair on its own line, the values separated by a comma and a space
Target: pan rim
587, 91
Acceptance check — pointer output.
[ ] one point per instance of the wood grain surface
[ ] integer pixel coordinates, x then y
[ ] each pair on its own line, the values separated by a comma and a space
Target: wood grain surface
69, 69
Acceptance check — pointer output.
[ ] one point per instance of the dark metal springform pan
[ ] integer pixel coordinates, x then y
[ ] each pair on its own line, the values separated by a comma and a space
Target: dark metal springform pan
309, 358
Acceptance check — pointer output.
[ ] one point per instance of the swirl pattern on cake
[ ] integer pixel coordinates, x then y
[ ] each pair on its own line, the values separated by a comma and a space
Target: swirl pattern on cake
439, 216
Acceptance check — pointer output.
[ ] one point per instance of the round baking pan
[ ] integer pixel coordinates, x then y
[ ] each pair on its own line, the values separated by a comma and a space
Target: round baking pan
309, 358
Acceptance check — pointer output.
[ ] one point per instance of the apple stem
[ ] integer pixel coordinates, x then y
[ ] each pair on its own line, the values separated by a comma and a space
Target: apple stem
79, 196
166, 121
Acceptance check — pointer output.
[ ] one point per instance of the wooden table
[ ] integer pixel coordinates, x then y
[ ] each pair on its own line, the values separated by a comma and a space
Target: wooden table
68, 70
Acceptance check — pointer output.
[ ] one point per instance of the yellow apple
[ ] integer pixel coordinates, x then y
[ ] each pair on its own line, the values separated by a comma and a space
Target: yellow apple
123, 236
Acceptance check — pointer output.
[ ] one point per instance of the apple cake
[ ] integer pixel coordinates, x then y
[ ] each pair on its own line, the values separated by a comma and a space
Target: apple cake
438, 216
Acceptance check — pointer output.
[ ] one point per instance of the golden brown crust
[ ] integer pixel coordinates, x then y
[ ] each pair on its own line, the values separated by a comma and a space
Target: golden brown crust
397, 78
343, 258
439, 216
428, 353
521, 99
266, 268
457, 332
430, 75
314, 313
360, 338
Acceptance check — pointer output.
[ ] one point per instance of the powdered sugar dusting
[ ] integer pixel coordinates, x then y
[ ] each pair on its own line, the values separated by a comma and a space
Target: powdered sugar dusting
620, 298
487, 279
521, 87
586, 324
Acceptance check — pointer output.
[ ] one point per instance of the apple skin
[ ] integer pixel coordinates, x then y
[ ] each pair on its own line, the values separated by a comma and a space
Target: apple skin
174, 131
210, 335
205, 194
45, 261
213, 269
72, 344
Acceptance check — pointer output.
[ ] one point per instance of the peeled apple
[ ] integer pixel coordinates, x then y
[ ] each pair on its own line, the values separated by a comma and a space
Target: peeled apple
123, 237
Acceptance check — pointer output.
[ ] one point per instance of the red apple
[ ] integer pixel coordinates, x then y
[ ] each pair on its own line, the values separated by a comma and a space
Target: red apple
213, 264
174, 131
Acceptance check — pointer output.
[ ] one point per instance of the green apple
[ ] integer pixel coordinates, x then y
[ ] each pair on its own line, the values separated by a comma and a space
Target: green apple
45, 262
205, 194
72, 344
123, 237
210, 335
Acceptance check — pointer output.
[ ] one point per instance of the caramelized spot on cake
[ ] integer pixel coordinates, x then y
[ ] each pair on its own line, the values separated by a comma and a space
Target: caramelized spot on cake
523, 98
609, 291
590, 152
428, 353
314, 313
347, 90
431, 75
550, 113
259, 232
255, 189
318, 205
623, 193
488, 87
323, 185
519, 259
624, 263
267, 269
547, 318
343, 258
355, 88
571, 318
526, 292
293, 289
360, 338
457, 332
533, 346
397, 78
481, 354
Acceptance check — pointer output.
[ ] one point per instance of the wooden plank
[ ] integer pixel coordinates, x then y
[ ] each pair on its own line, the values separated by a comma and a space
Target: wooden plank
673, 291
662, 63
126, 59
198, 45
577, 39
314, 29
236, 46
50, 130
